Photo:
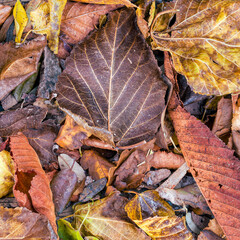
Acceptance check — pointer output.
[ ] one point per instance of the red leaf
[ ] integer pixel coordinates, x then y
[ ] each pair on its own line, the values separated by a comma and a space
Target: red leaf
32, 188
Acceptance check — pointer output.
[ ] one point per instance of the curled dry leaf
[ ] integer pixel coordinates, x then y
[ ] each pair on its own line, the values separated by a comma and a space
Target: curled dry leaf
6, 173
20, 223
204, 44
46, 19
78, 20
71, 135
32, 187
112, 85
106, 219
156, 217
97, 166
213, 166
18, 63
4, 13
14, 121
162, 159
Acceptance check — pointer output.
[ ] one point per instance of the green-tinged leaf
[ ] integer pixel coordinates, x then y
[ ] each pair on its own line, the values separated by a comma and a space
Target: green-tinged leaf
204, 43
66, 231
20, 19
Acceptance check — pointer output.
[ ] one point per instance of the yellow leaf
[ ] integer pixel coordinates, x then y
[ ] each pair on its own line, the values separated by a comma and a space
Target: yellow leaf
20, 19
46, 19
156, 217
204, 44
6, 173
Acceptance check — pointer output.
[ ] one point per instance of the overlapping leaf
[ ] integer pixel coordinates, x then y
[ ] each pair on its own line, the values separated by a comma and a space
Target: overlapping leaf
32, 187
204, 44
214, 167
112, 84
12, 72
124, 2
4, 13
78, 20
156, 217
106, 219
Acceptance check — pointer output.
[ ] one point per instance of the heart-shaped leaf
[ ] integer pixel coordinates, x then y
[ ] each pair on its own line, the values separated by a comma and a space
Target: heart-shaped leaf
112, 84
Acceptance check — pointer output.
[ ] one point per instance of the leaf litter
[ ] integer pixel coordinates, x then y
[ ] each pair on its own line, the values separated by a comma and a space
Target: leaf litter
125, 138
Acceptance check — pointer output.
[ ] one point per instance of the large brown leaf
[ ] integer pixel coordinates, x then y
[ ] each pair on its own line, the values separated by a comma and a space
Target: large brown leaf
125, 2
113, 84
214, 167
20, 223
32, 187
78, 20
4, 13
18, 63
204, 44
14, 121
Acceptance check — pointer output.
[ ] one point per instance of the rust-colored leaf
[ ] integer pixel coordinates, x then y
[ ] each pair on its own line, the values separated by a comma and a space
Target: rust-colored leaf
106, 219
156, 217
124, 2
32, 187
98, 166
112, 85
20, 223
14, 121
214, 167
204, 43
4, 13
17, 64
71, 135
78, 20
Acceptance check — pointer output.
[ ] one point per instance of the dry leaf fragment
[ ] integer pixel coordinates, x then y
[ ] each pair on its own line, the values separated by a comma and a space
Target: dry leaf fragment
156, 217
20, 19
98, 166
78, 20
4, 13
14, 121
214, 168
18, 63
32, 187
20, 223
112, 85
46, 19
204, 44
106, 219
71, 135
6, 173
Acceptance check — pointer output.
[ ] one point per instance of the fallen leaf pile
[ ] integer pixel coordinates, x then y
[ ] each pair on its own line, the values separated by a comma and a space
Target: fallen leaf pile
119, 120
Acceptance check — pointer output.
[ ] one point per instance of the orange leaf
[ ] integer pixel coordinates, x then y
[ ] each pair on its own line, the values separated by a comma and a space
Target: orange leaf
32, 188
4, 13
214, 167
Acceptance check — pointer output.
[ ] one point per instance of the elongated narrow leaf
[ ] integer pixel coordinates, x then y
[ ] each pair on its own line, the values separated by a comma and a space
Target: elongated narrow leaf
204, 44
113, 84
214, 167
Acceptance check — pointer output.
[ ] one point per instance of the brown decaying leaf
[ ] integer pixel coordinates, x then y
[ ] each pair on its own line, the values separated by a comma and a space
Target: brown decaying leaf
42, 139
208, 235
13, 121
113, 84
204, 43
162, 159
124, 2
71, 135
106, 219
131, 172
156, 217
214, 168
78, 20
12, 72
4, 13
20, 223
63, 186
32, 187
97, 166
